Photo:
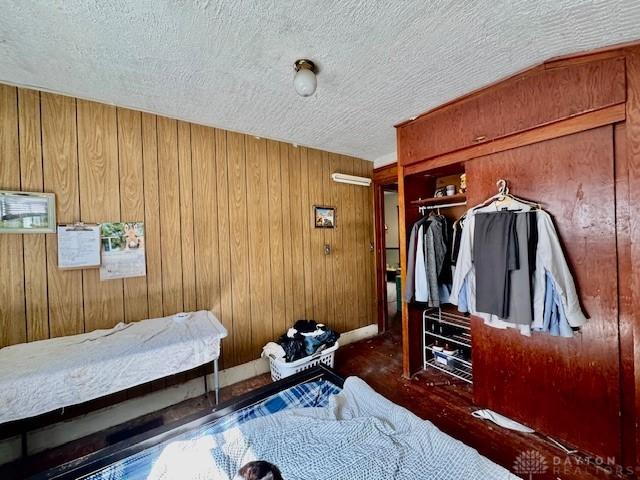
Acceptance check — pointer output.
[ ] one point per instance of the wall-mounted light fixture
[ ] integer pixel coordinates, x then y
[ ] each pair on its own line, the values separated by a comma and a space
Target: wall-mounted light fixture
351, 179
305, 81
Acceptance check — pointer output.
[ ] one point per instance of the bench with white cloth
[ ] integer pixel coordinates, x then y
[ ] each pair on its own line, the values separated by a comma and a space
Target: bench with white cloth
43, 376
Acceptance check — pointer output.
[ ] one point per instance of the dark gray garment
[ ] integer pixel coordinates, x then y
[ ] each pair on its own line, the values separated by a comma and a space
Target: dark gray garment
520, 303
440, 247
495, 254
409, 288
431, 267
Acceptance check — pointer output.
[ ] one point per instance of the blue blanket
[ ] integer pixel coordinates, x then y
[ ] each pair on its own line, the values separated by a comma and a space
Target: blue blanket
139, 465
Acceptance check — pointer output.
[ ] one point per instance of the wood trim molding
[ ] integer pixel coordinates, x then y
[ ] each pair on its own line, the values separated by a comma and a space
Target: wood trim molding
554, 62
382, 177
633, 162
587, 121
386, 175
402, 231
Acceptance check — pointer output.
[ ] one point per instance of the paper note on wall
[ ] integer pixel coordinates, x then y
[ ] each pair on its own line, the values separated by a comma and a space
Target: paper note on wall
123, 250
78, 246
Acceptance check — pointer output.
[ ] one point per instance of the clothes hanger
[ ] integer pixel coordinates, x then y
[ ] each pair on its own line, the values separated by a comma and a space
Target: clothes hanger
503, 197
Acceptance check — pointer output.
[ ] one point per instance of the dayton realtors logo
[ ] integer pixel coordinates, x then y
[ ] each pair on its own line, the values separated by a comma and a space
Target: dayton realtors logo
530, 463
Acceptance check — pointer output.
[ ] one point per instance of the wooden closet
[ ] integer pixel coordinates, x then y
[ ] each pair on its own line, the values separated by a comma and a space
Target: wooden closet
566, 134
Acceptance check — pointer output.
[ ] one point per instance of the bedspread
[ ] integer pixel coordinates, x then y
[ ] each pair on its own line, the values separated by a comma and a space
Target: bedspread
42, 376
359, 436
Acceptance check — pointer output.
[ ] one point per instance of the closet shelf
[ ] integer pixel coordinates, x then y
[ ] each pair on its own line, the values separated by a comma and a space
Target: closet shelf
456, 331
457, 356
462, 372
458, 198
447, 318
457, 339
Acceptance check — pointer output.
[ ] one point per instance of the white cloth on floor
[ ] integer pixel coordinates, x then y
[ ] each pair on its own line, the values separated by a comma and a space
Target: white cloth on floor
40, 377
502, 421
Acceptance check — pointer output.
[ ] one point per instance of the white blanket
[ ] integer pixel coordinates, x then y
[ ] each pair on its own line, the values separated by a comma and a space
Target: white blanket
360, 436
42, 376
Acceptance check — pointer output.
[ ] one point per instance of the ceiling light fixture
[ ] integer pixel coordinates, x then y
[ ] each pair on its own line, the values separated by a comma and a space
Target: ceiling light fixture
305, 81
351, 179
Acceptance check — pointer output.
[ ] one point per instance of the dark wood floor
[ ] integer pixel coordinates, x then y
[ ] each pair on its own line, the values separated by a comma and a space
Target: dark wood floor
431, 395
448, 404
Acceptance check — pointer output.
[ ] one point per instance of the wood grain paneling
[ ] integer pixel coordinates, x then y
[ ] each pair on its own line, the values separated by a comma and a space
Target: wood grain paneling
170, 231
317, 241
152, 214
12, 307
306, 232
259, 244
370, 271
228, 224
224, 245
558, 386
297, 244
599, 118
99, 198
633, 163
35, 248
530, 100
329, 240
187, 217
286, 233
337, 257
276, 242
625, 296
240, 281
349, 274
207, 269
130, 163
60, 166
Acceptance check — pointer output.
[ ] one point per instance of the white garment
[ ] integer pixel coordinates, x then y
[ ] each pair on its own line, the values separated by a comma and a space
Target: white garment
549, 258
320, 329
502, 421
274, 350
421, 283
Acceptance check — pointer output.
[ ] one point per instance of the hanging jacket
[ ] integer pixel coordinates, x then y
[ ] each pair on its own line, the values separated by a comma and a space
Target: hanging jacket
409, 288
549, 260
422, 291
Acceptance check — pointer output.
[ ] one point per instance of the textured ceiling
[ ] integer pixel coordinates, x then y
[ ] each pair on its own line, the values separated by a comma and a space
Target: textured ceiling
229, 63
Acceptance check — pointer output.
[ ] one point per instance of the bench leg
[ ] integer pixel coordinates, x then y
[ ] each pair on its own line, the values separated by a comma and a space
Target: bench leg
216, 380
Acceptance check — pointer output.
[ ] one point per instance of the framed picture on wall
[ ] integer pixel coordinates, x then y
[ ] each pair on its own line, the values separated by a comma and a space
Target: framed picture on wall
324, 217
27, 212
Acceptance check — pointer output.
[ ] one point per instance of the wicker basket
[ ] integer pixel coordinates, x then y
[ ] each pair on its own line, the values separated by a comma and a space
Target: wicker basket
281, 369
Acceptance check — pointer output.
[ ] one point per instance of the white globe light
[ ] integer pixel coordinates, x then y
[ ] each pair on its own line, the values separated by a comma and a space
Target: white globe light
305, 82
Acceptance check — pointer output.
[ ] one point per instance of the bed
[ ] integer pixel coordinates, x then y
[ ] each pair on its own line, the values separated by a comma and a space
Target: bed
313, 425
40, 377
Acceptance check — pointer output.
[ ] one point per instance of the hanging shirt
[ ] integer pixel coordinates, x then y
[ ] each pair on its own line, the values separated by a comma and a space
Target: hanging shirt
455, 245
549, 258
554, 321
421, 280
409, 288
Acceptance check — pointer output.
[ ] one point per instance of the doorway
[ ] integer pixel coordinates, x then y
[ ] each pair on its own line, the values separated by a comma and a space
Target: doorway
392, 257
388, 289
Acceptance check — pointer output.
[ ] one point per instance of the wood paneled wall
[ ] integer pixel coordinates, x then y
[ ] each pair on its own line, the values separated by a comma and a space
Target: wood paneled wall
228, 221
